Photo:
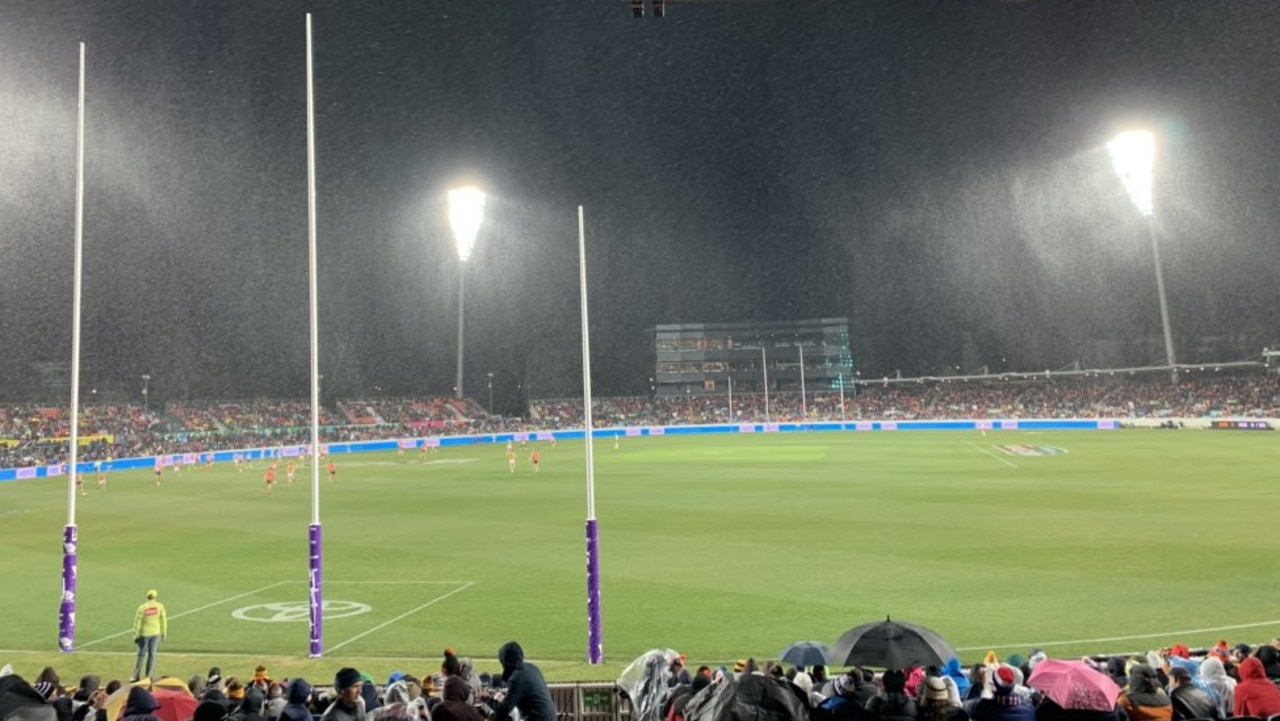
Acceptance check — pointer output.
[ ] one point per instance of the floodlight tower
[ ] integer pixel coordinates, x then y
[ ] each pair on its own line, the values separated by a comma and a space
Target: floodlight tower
1133, 155
466, 211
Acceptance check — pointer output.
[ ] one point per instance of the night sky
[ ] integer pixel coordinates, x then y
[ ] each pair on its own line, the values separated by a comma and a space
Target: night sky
934, 170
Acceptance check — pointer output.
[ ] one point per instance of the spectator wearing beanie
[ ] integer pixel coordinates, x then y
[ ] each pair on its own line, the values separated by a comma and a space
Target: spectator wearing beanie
843, 704
936, 703
893, 704
451, 666
1255, 694
299, 698
348, 706
1144, 700
275, 701
999, 699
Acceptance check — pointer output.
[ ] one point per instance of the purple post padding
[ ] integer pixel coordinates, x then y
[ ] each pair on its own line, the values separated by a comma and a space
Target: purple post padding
595, 630
67, 612
317, 592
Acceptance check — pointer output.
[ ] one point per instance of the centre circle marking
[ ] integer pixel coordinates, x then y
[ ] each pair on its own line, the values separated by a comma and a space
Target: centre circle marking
294, 611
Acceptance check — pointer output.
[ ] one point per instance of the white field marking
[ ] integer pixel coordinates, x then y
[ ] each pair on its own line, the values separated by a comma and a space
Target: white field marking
406, 583
987, 451
379, 627
255, 656
408, 463
1215, 629
187, 613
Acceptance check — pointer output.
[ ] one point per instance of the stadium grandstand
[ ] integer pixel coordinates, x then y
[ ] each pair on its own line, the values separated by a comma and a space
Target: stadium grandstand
36, 434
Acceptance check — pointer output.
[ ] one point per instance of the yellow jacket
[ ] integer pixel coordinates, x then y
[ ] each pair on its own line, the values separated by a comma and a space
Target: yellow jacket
151, 620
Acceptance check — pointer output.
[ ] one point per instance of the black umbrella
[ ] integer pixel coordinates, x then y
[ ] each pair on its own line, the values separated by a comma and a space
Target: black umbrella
20, 702
891, 644
805, 654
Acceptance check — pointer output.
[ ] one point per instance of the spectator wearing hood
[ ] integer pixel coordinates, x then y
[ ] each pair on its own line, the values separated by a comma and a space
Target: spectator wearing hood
455, 707
297, 707
139, 705
526, 688
1189, 701
369, 692
348, 705
1144, 699
251, 706
802, 686
1214, 676
893, 704
999, 699
953, 670
1255, 694
210, 711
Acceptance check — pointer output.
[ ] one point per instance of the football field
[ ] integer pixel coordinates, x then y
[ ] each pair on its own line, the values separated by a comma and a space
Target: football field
718, 546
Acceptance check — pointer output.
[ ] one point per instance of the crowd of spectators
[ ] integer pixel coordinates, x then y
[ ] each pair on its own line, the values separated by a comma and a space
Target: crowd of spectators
1251, 397
35, 434
1172, 684
256, 415
430, 412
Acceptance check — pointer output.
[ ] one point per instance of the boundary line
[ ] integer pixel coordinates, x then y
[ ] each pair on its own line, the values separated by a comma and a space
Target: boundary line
186, 613
1005, 461
394, 583
1126, 638
379, 627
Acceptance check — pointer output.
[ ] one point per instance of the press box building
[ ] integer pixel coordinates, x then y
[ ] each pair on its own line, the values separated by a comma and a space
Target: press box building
701, 358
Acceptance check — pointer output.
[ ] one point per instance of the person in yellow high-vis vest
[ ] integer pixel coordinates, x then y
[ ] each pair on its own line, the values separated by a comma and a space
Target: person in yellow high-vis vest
150, 626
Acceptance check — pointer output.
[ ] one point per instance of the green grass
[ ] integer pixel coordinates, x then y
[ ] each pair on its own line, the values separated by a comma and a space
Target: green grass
720, 547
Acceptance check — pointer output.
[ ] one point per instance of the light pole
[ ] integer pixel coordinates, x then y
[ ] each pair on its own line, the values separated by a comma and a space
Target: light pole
490, 393
804, 407
764, 368
466, 210
731, 399
843, 415
146, 396
1133, 153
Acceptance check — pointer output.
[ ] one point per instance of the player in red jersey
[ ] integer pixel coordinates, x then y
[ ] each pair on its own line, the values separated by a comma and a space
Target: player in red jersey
270, 479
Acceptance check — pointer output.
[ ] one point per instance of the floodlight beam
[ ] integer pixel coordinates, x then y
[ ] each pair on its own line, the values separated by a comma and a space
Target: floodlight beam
1133, 155
466, 212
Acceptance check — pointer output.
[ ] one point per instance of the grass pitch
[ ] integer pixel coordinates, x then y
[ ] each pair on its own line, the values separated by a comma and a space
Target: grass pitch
718, 546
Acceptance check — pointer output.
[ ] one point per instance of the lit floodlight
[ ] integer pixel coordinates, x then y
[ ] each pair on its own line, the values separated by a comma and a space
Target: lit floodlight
466, 210
1133, 154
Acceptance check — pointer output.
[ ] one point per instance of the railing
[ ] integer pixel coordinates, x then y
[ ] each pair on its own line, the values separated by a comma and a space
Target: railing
589, 702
